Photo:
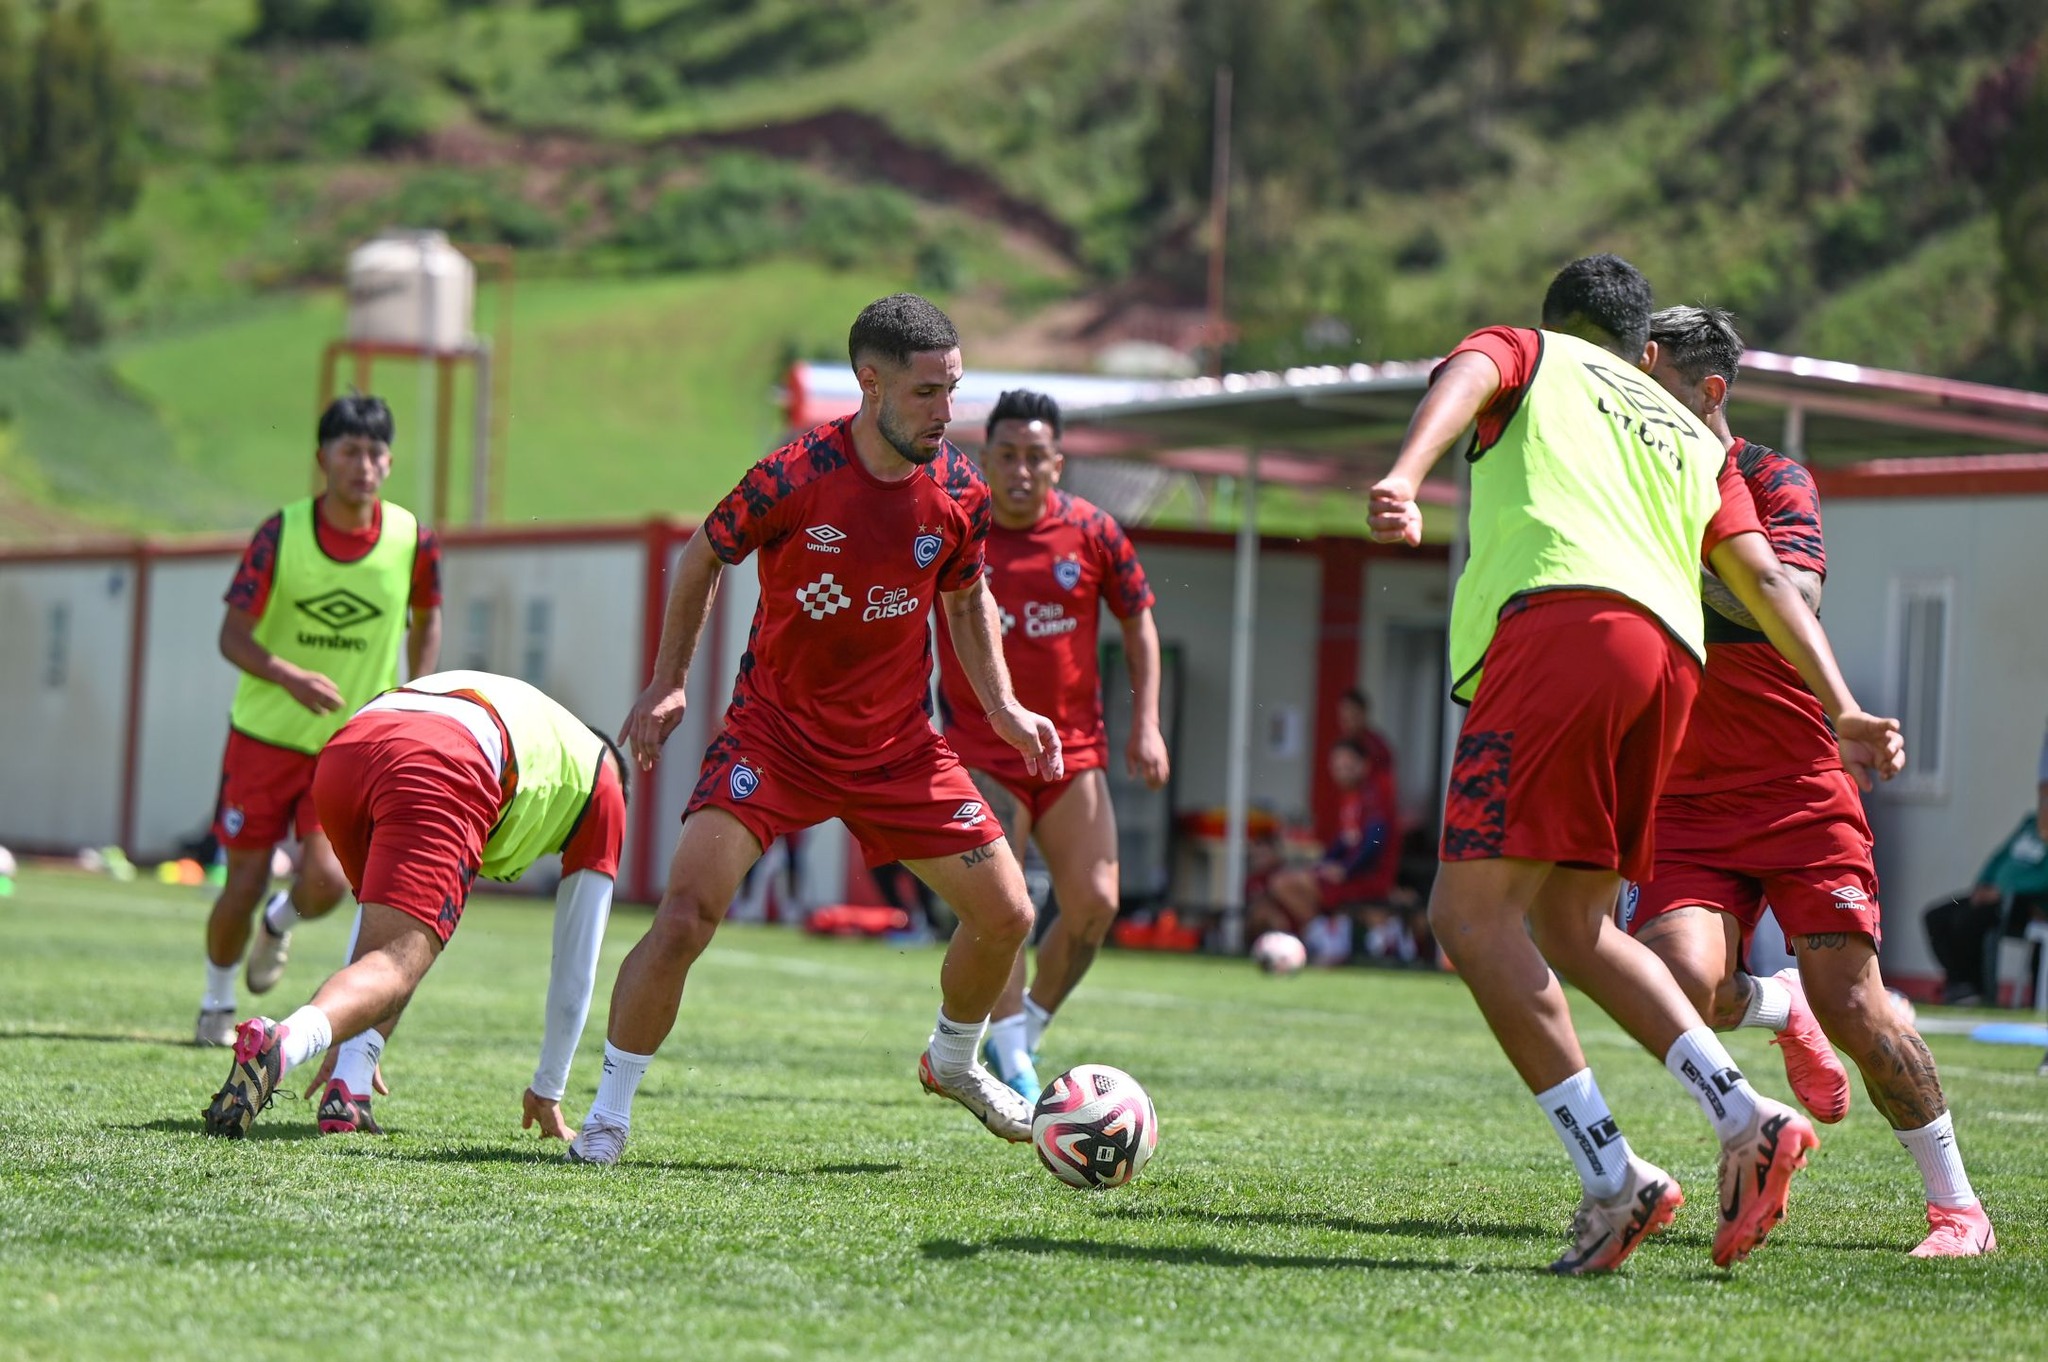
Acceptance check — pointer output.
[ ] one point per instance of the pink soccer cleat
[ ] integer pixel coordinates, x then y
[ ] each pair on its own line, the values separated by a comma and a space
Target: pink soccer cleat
1818, 1079
1606, 1232
1756, 1178
1957, 1233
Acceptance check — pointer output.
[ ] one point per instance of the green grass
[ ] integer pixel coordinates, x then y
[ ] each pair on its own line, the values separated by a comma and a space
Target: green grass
1347, 1168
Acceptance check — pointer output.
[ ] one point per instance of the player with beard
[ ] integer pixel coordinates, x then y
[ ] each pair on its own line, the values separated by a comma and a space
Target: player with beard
1758, 808
857, 527
1054, 560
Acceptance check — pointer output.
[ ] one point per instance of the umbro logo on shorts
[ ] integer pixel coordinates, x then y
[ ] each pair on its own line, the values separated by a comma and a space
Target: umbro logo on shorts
972, 814
824, 538
1067, 574
925, 548
743, 781
823, 597
1849, 898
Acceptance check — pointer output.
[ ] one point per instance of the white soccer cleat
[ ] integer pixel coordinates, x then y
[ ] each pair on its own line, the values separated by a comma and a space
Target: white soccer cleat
1605, 1233
216, 1027
994, 1103
598, 1142
267, 955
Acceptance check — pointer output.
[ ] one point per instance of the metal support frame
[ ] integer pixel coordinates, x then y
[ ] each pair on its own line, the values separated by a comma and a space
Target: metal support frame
1243, 633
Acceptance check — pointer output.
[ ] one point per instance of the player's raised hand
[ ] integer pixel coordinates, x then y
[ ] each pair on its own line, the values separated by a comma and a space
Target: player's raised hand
1145, 758
1872, 749
653, 717
548, 1114
1033, 735
1393, 517
315, 692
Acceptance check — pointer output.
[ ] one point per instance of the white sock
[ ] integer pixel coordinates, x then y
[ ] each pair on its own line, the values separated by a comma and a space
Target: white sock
1933, 1147
220, 987
282, 914
953, 1045
623, 1071
1699, 1061
1006, 1041
1770, 1003
1579, 1115
1036, 1019
307, 1033
355, 1063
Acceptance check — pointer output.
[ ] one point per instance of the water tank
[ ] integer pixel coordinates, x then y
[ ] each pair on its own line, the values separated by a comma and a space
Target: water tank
411, 288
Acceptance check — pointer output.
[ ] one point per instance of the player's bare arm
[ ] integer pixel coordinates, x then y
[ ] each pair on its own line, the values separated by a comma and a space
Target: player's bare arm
423, 642
977, 633
1722, 601
1462, 389
239, 646
1870, 746
660, 707
1145, 755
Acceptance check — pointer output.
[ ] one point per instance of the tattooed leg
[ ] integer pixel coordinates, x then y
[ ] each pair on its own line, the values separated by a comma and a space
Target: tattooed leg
1701, 948
1846, 991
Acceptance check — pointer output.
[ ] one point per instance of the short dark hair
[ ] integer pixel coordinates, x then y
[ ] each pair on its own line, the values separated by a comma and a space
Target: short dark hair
1700, 340
1605, 291
899, 326
1357, 696
356, 414
1022, 404
1354, 747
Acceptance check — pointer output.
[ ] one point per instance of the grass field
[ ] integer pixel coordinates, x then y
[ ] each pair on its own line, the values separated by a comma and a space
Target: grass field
1347, 1168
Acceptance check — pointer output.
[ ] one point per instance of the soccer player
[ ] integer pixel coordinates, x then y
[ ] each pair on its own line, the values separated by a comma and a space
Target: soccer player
1759, 808
1053, 561
324, 595
452, 776
1577, 638
856, 526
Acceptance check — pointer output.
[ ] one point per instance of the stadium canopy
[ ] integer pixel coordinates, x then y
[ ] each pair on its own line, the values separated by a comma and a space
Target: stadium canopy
1338, 427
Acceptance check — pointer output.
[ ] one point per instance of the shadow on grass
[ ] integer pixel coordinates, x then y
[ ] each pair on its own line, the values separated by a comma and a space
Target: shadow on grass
1411, 1228
174, 1125
101, 1038
552, 1153
1207, 1255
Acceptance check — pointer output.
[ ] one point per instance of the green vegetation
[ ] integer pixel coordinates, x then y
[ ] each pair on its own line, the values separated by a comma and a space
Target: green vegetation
1347, 1169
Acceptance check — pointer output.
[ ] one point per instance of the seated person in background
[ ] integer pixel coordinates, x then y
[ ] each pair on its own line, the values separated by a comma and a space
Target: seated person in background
2011, 891
1354, 722
1355, 876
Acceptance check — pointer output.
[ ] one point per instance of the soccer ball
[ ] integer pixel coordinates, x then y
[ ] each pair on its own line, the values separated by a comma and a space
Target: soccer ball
7, 866
1094, 1127
1903, 1005
1279, 953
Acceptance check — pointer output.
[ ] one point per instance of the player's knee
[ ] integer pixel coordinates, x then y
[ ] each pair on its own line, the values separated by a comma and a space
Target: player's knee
318, 892
1090, 914
1009, 924
1854, 1017
684, 924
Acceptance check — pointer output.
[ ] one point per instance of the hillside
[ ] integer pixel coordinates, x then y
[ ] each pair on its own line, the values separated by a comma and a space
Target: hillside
700, 188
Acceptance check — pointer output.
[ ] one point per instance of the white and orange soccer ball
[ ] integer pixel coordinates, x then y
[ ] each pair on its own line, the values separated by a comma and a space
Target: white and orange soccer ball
1094, 1127
1279, 953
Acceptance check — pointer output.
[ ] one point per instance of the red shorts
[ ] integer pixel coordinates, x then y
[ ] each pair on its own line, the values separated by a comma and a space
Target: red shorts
1037, 796
1798, 843
1351, 893
408, 799
1578, 717
265, 795
919, 806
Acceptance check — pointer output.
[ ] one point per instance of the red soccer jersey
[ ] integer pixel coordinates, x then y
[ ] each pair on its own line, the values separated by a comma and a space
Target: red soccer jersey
1755, 720
250, 591
838, 667
1049, 581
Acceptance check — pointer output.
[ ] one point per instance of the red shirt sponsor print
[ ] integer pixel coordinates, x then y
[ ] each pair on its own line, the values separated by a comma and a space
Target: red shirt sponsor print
1755, 720
838, 666
1049, 582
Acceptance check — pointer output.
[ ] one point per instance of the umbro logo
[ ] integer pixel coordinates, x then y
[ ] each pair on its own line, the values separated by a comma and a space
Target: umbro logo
823, 597
824, 538
1849, 897
972, 814
339, 609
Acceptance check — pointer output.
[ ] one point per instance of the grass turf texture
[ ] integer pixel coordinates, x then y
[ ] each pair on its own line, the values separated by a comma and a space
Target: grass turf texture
1347, 1168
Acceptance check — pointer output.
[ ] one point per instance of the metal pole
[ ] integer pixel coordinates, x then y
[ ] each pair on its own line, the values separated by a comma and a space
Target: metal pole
1795, 433
1243, 631
480, 438
1219, 214
427, 416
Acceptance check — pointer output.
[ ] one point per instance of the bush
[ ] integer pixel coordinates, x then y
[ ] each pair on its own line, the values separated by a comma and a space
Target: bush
747, 208
316, 104
318, 21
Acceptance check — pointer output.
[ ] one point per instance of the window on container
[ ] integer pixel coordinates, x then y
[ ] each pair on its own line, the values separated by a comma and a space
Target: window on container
1922, 615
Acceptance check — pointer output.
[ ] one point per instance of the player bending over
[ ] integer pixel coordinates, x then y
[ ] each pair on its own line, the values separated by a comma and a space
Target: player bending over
1594, 499
857, 526
1053, 561
315, 616
450, 777
1759, 808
